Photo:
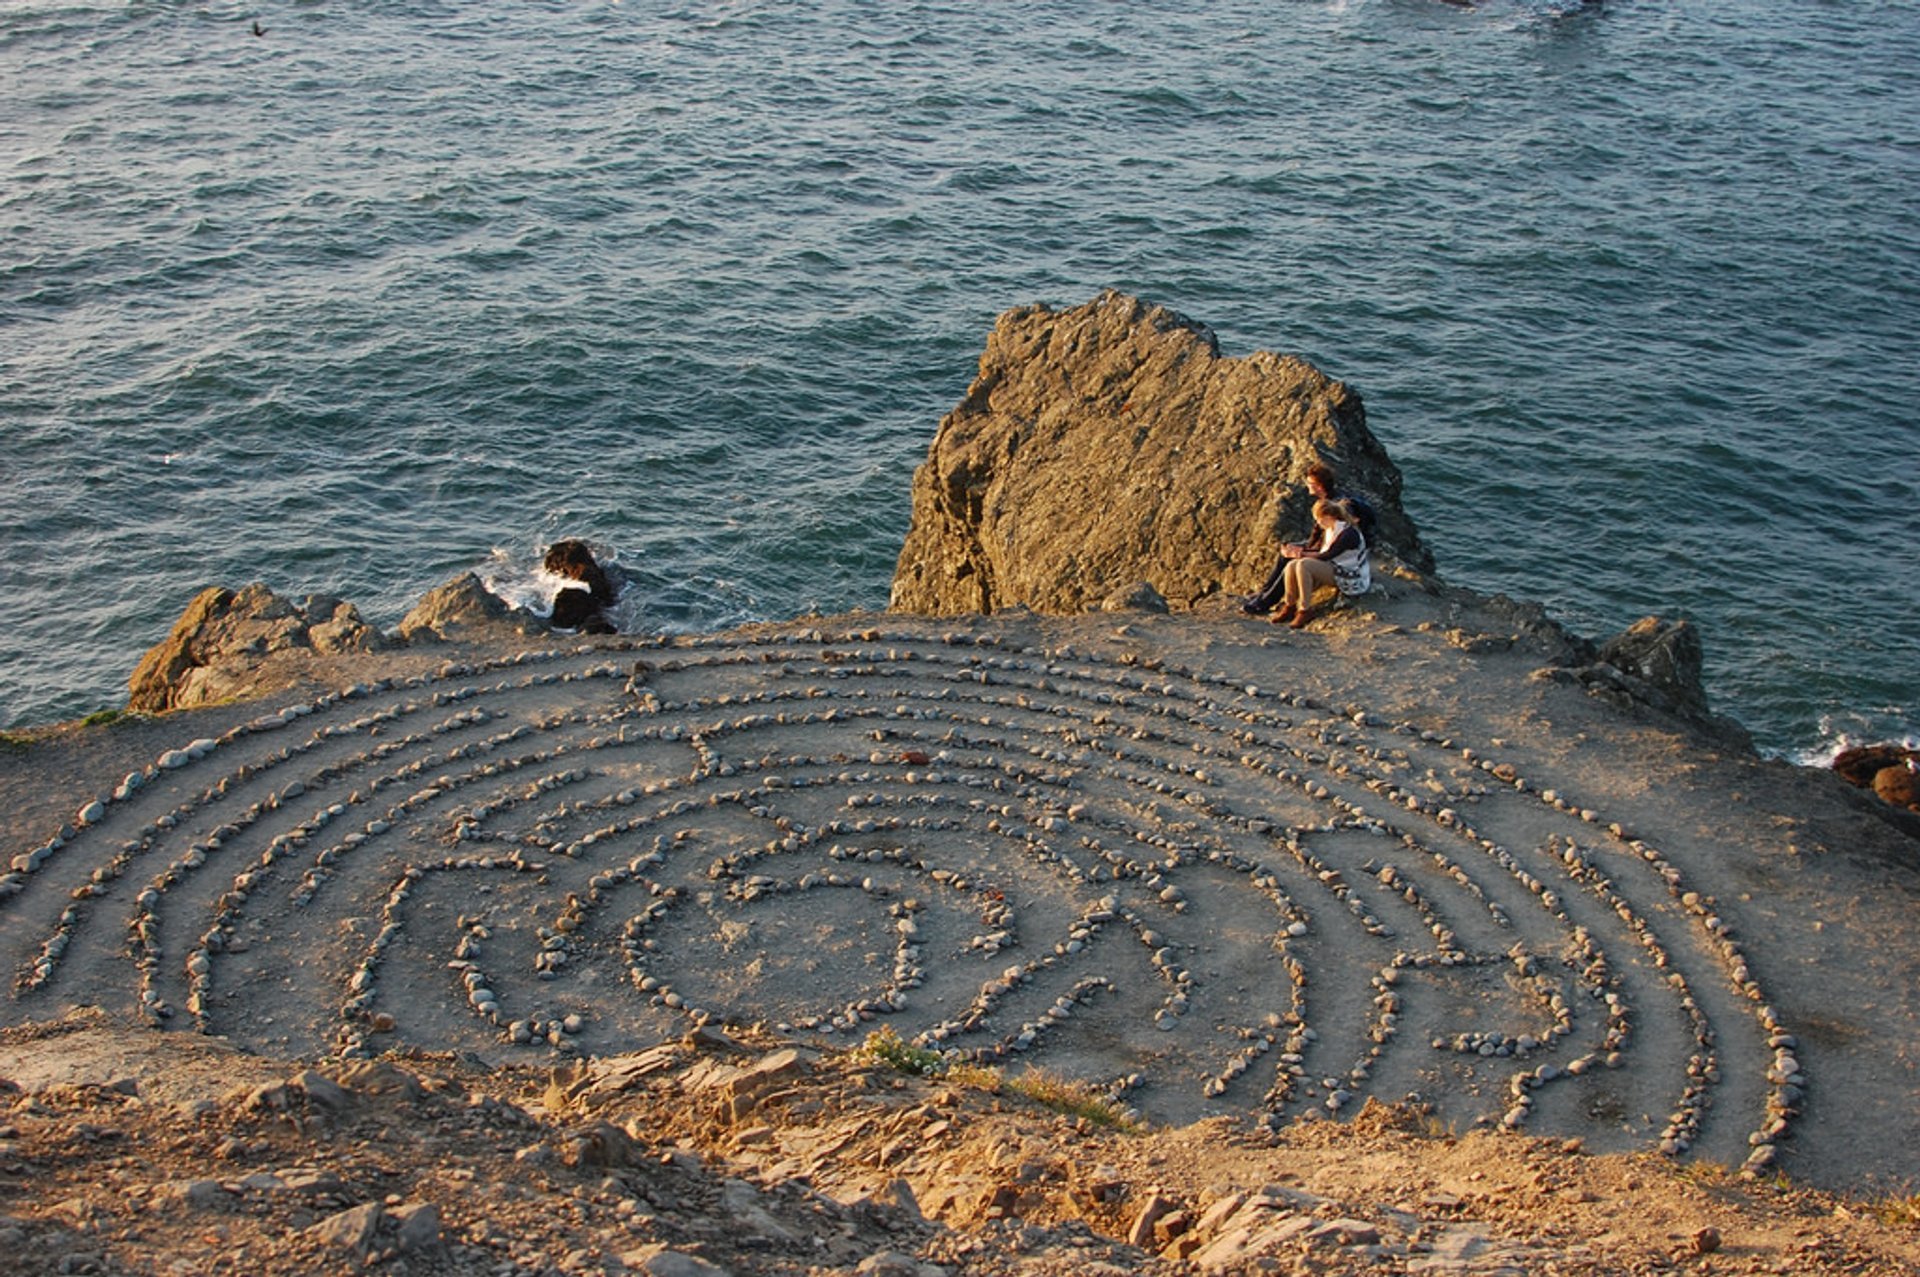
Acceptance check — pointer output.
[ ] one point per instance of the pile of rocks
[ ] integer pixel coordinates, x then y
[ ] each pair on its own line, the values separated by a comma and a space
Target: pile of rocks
1890, 771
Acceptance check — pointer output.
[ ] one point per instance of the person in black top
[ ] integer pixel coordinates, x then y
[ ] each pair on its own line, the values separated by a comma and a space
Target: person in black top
1325, 486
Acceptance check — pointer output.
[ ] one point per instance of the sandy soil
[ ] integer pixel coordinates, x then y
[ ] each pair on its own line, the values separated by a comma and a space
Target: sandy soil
1377, 905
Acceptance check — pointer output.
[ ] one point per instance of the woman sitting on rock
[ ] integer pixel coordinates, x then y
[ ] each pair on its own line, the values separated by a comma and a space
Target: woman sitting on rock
1336, 557
579, 607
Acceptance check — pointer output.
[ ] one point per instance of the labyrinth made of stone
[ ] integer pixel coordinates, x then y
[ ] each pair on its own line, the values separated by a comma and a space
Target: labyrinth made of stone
1206, 895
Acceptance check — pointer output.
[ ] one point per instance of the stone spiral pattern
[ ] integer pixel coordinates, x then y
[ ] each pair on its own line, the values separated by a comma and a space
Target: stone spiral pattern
1208, 895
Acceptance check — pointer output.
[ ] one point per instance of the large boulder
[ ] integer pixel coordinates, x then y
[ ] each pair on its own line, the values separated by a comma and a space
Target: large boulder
224, 636
1112, 444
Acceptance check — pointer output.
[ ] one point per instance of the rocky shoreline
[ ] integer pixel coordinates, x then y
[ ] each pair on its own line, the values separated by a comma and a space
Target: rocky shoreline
1431, 938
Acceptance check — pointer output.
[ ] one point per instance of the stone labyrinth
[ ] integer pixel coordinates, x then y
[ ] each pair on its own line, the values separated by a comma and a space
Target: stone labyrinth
1209, 896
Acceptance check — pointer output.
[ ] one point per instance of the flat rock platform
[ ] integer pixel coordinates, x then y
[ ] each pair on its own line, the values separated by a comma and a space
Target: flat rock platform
1219, 867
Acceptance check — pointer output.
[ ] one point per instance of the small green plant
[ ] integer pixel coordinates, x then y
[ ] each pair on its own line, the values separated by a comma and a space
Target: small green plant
1898, 1212
11, 744
887, 1047
1072, 1099
1047, 1089
975, 1077
101, 717
1705, 1172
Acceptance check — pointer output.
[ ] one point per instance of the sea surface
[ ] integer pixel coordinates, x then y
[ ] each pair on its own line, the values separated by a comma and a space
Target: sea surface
388, 291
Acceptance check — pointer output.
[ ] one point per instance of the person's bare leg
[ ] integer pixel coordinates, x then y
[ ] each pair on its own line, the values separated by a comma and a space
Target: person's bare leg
1314, 573
1289, 601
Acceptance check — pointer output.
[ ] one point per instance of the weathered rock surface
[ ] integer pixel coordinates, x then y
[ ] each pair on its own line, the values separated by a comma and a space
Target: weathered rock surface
223, 637
1112, 444
462, 608
229, 643
1656, 662
1666, 656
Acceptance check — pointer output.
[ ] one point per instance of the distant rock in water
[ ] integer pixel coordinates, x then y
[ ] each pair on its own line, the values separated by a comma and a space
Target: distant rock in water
223, 637
1112, 444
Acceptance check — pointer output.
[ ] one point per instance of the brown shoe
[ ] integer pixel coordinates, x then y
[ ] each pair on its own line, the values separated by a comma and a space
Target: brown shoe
1281, 617
1299, 622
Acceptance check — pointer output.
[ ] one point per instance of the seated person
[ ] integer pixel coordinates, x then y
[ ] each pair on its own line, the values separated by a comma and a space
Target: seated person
1322, 483
1337, 557
1325, 486
579, 607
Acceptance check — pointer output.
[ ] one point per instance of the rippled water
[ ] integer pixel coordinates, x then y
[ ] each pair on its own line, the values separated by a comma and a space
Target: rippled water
391, 291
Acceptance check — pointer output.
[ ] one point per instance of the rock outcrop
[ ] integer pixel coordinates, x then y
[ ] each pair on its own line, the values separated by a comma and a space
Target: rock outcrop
1657, 662
1112, 444
1661, 661
224, 636
230, 643
462, 608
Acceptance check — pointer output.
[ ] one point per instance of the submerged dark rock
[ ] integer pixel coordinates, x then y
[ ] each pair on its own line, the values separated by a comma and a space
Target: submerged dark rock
583, 606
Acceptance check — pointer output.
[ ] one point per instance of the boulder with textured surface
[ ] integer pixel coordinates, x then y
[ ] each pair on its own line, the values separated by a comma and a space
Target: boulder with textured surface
1655, 662
1665, 655
223, 637
463, 608
1112, 443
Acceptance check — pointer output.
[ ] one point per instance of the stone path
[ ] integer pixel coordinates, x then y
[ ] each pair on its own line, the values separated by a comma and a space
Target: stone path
1209, 895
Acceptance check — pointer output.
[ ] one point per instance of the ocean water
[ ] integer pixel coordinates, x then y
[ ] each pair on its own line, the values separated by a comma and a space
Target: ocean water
390, 291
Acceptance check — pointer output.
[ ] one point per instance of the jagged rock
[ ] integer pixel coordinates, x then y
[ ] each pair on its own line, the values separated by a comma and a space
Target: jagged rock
379, 1077
1151, 1211
321, 1089
597, 1144
417, 1229
1653, 662
224, 636
1112, 443
460, 609
895, 1195
1665, 656
351, 1229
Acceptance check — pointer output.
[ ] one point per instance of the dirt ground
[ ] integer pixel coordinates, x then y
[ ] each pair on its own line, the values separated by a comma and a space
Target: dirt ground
1394, 950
